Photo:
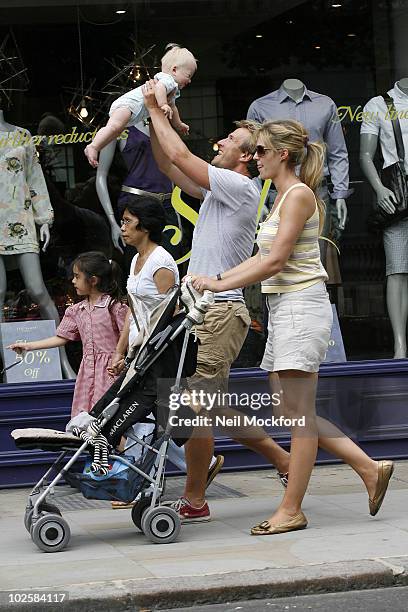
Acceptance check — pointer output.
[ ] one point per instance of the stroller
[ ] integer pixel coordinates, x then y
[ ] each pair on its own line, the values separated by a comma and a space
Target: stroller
167, 352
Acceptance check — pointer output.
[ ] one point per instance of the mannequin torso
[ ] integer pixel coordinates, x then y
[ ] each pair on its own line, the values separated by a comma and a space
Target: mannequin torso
143, 173
29, 192
377, 128
371, 131
316, 112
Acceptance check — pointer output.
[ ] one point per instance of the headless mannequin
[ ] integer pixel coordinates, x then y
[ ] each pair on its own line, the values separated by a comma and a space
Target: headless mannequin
143, 174
30, 269
295, 90
105, 161
397, 284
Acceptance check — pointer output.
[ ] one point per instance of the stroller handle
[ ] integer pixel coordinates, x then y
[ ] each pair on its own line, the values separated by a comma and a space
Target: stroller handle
195, 302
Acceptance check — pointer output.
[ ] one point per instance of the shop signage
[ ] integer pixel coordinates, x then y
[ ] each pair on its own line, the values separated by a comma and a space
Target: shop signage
42, 364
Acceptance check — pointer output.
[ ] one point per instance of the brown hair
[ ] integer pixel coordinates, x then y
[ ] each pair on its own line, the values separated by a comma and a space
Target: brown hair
310, 156
248, 146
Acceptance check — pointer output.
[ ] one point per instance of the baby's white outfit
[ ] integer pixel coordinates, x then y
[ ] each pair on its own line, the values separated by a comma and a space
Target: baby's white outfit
133, 99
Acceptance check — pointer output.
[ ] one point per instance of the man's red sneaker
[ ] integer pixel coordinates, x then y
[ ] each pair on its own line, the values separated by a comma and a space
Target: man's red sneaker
189, 514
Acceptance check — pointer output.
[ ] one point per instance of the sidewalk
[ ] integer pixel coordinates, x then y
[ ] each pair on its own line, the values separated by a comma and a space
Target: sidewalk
109, 564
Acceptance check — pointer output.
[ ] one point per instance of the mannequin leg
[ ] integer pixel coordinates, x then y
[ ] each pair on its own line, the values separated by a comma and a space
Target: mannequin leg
3, 286
29, 264
397, 305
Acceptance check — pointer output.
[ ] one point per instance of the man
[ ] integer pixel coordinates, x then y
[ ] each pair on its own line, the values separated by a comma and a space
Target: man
222, 239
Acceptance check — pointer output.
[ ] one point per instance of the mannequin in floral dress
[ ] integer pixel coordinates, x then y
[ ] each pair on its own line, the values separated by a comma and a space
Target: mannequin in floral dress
24, 206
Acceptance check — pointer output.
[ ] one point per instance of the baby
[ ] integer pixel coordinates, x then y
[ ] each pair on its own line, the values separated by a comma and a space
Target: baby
178, 67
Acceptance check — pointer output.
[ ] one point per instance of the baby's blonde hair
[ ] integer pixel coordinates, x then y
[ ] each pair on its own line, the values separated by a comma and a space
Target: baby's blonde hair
177, 56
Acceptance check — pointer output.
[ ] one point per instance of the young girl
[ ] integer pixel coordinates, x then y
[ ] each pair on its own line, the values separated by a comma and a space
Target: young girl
178, 67
97, 321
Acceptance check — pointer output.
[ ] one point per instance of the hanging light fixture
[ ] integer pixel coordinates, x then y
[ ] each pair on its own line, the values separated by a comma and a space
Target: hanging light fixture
84, 111
78, 107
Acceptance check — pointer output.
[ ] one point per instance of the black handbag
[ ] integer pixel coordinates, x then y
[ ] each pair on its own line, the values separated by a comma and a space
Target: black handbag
394, 178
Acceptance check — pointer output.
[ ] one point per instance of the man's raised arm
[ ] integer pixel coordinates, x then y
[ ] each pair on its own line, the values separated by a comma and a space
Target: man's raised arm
174, 174
193, 167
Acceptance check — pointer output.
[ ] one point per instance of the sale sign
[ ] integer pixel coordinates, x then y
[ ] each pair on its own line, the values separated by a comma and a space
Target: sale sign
30, 366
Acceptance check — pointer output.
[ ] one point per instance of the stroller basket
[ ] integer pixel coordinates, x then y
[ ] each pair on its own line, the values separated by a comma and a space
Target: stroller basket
124, 485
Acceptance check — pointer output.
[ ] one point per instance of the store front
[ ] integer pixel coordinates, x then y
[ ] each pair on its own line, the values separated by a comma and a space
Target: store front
325, 63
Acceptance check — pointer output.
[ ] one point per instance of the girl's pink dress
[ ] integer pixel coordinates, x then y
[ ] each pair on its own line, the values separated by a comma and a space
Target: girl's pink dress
99, 332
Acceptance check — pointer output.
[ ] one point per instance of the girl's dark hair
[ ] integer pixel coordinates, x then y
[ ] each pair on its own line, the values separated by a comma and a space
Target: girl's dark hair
150, 212
108, 273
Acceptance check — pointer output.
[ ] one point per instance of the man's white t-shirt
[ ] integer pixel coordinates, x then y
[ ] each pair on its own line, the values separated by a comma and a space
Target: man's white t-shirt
225, 231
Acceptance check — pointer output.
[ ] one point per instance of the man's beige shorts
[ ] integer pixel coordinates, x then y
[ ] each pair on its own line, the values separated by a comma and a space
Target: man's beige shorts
221, 336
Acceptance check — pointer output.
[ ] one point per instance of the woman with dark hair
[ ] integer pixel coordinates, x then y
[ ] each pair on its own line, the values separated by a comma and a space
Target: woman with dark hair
153, 270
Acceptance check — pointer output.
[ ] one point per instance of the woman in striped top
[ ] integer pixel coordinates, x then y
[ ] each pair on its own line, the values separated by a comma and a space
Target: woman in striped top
300, 316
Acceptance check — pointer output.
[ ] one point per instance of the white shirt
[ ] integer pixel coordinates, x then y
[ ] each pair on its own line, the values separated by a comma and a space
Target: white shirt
224, 234
143, 287
376, 121
134, 101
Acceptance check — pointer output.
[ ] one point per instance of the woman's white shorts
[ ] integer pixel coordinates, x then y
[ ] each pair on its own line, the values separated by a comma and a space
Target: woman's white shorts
299, 328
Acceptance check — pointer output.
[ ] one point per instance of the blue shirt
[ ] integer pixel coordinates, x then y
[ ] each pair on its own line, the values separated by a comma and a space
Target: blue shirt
318, 114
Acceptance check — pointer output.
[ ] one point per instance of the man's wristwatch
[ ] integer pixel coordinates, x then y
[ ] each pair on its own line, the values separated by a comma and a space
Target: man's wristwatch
219, 277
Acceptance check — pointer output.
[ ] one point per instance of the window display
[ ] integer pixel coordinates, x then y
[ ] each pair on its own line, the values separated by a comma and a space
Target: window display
318, 113
314, 61
385, 119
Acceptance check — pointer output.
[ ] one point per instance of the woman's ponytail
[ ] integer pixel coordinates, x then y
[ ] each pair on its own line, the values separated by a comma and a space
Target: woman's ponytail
311, 173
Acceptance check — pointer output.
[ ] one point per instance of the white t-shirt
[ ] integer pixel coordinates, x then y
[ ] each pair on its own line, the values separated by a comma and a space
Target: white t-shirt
225, 231
376, 121
134, 101
143, 287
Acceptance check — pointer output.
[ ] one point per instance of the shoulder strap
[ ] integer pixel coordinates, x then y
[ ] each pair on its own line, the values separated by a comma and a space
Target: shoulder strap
288, 191
396, 128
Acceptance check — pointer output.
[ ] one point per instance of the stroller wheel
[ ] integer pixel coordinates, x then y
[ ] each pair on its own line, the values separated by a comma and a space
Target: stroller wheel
44, 507
51, 533
161, 525
138, 511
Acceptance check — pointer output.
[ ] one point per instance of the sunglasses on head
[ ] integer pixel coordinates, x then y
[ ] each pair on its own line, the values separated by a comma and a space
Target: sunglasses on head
260, 150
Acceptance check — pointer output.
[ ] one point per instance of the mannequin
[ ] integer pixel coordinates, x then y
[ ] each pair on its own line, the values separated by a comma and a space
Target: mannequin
143, 174
316, 111
376, 126
19, 244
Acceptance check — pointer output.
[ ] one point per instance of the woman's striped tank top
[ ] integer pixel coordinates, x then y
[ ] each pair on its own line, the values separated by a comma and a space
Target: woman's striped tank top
304, 267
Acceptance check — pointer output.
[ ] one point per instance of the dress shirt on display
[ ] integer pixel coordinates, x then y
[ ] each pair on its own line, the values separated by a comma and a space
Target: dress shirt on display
318, 114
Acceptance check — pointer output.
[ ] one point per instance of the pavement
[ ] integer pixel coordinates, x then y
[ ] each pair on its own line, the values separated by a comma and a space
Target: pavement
110, 565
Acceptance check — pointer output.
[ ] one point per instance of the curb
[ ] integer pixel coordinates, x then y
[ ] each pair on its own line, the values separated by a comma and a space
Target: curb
221, 588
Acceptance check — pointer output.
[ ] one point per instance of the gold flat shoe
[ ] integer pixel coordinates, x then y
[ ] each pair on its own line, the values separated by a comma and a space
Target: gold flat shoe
297, 522
119, 505
385, 470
